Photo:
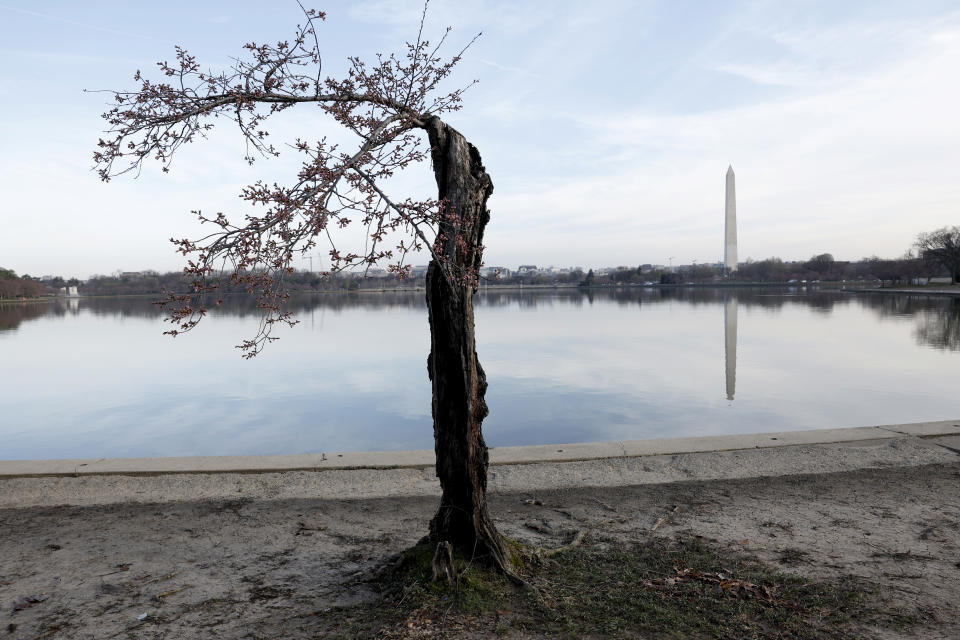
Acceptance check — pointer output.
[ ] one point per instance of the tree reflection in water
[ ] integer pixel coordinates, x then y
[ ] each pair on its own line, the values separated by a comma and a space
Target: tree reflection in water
937, 318
13, 313
940, 328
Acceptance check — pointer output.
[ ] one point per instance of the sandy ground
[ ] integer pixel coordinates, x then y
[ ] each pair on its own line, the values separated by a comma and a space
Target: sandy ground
258, 568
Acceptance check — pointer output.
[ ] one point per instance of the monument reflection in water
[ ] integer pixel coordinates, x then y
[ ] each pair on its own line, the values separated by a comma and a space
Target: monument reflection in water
96, 377
730, 343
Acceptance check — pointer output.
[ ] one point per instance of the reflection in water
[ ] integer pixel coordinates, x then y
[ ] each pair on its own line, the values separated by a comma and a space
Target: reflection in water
242, 306
937, 318
95, 377
730, 343
13, 313
940, 328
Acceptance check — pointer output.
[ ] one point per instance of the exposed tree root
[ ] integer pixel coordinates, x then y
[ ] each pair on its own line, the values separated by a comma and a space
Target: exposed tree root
442, 564
576, 542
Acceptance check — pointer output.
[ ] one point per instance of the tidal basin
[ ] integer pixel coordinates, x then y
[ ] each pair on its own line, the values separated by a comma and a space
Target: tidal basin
563, 366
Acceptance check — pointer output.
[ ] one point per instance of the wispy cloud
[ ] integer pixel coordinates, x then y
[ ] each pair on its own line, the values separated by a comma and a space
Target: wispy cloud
606, 126
82, 25
856, 165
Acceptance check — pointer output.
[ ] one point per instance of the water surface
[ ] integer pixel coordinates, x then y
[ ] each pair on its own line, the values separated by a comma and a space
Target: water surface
96, 377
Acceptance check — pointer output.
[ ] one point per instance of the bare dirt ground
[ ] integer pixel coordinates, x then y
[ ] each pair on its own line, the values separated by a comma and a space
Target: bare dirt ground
264, 568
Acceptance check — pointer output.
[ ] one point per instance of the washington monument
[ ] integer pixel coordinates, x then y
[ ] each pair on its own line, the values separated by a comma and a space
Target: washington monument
730, 244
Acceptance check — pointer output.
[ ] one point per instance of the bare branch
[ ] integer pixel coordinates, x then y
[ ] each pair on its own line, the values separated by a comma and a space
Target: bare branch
384, 104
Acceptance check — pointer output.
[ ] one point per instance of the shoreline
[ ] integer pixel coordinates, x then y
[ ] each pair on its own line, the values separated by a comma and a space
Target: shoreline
374, 475
272, 555
424, 459
922, 291
831, 286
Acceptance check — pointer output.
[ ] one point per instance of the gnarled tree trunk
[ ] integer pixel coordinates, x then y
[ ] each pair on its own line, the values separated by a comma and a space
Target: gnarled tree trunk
459, 383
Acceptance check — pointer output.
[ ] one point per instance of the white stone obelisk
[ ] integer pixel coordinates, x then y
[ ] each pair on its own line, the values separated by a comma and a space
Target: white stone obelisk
730, 243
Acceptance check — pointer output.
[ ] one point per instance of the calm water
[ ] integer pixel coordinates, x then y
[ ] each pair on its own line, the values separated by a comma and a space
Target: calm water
95, 378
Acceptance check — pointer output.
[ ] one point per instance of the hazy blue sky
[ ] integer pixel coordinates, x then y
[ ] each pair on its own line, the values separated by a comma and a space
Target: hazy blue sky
607, 126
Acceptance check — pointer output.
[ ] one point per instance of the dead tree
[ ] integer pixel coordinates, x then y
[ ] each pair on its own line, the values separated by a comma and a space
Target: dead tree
388, 105
942, 248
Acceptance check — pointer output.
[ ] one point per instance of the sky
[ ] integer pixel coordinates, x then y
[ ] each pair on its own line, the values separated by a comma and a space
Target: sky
607, 127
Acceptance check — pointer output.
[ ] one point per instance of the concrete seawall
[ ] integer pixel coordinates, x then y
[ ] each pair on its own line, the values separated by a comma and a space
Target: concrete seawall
513, 469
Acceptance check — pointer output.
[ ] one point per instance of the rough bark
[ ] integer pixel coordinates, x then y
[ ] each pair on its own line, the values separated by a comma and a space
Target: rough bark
459, 383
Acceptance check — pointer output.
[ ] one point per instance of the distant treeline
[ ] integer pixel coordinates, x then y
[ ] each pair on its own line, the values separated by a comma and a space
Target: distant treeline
822, 268
13, 286
151, 282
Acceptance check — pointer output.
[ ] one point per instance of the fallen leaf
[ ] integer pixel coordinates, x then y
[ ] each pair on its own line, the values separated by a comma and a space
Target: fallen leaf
28, 601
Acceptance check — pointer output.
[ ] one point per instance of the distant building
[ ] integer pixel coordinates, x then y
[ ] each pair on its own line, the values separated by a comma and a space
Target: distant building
526, 268
495, 272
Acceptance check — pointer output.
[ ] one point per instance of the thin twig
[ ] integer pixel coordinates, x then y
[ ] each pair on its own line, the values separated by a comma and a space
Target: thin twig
665, 519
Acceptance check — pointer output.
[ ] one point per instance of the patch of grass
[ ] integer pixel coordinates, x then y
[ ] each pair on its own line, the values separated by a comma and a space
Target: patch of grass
411, 602
664, 588
631, 589
477, 590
